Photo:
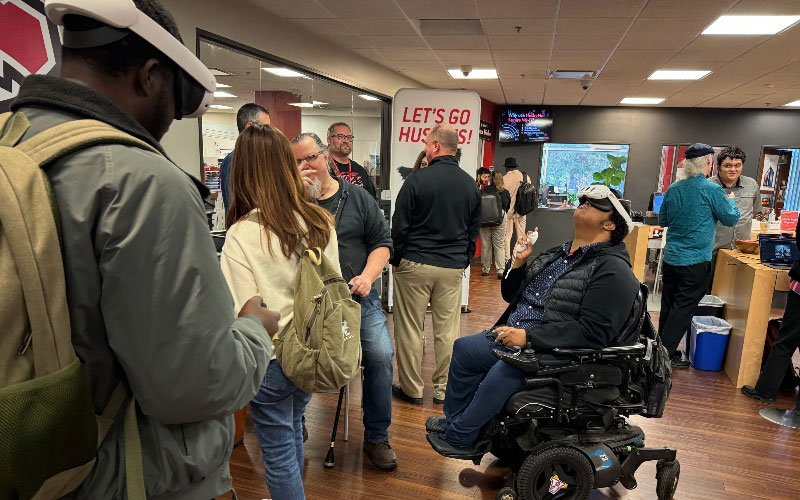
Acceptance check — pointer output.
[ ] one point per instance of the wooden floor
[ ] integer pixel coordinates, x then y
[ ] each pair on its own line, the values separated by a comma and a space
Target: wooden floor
727, 451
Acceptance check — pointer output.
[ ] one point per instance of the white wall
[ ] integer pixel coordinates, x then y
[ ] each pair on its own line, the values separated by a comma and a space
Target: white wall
250, 25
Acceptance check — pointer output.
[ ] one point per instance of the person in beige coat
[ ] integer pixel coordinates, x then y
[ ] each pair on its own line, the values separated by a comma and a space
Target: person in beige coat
514, 222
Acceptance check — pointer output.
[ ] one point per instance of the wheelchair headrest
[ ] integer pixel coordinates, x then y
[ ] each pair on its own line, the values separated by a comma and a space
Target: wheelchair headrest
630, 330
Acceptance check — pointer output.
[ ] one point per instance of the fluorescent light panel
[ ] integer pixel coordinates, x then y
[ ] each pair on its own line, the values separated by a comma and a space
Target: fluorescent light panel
671, 74
219, 106
222, 86
285, 72
793, 104
368, 97
475, 74
220, 93
750, 25
307, 104
219, 72
642, 100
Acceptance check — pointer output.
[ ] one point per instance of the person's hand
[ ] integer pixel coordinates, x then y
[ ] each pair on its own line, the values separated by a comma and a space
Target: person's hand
255, 307
731, 195
511, 337
307, 173
521, 257
360, 285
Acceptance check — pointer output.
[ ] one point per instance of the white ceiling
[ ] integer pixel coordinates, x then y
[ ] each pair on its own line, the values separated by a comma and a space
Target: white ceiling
623, 40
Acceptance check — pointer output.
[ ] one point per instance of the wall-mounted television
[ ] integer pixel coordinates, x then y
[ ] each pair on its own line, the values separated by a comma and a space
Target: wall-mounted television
522, 124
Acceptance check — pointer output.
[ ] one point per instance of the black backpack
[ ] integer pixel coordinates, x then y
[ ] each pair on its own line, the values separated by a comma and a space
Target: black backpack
492, 213
527, 197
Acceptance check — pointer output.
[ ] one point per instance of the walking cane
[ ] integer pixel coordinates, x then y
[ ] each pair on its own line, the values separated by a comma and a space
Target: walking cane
329, 459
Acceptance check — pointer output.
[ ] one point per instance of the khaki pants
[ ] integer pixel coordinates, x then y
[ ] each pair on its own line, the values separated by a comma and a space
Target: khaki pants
493, 248
415, 285
513, 223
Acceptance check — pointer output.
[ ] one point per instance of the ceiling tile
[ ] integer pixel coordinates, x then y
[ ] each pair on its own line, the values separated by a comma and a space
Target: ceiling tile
348, 42
718, 48
521, 55
635, 64
688, 99
379, 27
580, 26
529, 27
358, 9
282, 8
586, 42
323, 27
457, 42
370, 54
694, 65
408, 55
418, 65
600, 8
395, 42
677, 25
656, 41
511, 9
495, 97
456, 58
658, 88
609, 92
512, 69
597, 57
765, 7
520, 42
709, 9
437, 9
492, 85
726, 101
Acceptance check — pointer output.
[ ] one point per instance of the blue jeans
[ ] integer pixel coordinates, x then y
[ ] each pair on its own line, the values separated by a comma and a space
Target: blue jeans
478, 387
377, 353
277, 415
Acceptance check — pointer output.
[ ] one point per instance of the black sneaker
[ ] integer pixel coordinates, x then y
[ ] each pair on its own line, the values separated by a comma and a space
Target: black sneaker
485, 273
305, 433
677, 361
433, 424
499, 276
438, 401
751, 392
402, 396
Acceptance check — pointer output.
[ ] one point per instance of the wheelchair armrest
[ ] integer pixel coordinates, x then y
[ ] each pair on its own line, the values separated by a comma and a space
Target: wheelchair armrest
623, 349
524, 359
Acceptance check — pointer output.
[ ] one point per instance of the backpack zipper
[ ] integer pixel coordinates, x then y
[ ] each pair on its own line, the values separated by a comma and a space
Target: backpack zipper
26, 343
318, 303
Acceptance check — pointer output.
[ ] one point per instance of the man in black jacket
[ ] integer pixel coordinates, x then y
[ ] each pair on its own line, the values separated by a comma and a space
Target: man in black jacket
575, 295
435, 224
788, 340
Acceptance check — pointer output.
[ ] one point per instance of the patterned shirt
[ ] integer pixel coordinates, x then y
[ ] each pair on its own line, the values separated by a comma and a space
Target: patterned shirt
795, 286
530, 307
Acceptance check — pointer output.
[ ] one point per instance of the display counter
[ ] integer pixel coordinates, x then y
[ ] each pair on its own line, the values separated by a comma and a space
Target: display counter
747, 287
637, 243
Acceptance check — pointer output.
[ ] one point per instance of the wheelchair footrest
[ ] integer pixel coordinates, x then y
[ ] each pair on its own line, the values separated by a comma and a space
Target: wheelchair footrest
474, 453
638, 457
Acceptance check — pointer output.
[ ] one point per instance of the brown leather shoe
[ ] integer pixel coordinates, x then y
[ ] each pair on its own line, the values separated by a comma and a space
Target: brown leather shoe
381, 454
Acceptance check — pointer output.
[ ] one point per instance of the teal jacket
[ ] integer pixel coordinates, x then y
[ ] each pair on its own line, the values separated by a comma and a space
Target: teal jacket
690, 211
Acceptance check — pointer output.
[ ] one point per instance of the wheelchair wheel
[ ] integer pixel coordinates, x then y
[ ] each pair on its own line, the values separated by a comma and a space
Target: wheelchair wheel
560, 473
506, 494
667, 476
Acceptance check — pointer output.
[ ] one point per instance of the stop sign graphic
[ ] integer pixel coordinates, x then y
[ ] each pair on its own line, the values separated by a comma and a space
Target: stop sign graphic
25, 45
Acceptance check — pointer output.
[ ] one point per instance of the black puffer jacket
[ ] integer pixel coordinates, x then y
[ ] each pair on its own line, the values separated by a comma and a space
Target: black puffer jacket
585, 307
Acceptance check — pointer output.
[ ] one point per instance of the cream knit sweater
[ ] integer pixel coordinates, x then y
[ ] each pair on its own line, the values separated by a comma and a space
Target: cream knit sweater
250, 270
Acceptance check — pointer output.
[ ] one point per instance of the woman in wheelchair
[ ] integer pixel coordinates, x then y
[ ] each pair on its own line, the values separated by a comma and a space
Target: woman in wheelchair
577, 295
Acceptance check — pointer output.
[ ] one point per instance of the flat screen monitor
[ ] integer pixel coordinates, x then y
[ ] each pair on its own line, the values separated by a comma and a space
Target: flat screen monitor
521, 124
656, 200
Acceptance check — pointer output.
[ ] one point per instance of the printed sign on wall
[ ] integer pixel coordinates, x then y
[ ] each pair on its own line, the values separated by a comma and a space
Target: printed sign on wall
414, 113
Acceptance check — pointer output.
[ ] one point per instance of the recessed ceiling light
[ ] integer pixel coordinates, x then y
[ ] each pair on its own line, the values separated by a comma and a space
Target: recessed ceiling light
642, 100
671, 74
793, 104
220, 93
750, 25
368, 97
307, 104
219, 106
285, 72
475, 74
222, 86
219, 72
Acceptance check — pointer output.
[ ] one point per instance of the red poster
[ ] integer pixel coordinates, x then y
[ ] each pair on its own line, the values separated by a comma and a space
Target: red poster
788, 221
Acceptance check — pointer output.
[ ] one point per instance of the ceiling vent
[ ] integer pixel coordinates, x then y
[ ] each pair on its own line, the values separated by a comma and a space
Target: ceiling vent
450, 27
571, 74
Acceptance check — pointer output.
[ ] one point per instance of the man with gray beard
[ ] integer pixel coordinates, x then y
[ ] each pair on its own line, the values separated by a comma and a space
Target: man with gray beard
365, 246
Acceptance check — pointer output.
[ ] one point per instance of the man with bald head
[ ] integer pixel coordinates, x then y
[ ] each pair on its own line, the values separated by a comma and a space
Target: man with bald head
436, 221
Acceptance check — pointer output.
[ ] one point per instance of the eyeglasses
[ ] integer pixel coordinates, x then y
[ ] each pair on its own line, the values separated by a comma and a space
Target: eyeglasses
309, 158
343, 137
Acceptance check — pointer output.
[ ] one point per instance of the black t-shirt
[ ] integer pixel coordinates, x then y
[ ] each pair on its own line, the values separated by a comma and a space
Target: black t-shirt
355, 174
332, 204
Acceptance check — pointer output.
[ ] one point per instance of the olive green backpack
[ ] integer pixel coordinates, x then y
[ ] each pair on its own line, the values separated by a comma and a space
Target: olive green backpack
49, 433
321, 349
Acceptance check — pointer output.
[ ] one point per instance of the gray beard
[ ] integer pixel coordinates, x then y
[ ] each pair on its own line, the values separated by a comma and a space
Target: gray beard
314, 190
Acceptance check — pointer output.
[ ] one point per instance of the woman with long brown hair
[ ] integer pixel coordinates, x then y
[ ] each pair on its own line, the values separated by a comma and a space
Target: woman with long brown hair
270, 217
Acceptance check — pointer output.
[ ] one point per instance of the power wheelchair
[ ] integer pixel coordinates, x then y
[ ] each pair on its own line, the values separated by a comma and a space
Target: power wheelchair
562, 446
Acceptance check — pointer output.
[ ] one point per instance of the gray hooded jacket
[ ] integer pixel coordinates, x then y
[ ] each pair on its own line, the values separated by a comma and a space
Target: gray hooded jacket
147, 302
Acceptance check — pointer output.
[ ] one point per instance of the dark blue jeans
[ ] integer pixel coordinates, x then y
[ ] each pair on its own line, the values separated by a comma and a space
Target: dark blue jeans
277, 415
477, 388
377, 353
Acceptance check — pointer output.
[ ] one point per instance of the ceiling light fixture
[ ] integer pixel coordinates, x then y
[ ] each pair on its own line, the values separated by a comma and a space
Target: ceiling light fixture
750, 25
672, 74
475, 74
793, 104
220, 93
219, 106
642, 100
570, 74
285, 72
222, 86
219, 72
368, 97
307, 104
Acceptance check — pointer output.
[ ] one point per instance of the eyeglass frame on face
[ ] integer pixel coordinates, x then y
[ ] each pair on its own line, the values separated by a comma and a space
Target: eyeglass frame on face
732, 165
309, 158
343, 137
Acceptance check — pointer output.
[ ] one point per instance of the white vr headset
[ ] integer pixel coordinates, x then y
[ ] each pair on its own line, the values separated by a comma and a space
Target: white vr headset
603, 198
194, 83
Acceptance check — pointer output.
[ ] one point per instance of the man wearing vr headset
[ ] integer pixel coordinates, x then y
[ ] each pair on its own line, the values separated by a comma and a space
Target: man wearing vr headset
575, 295
147, 301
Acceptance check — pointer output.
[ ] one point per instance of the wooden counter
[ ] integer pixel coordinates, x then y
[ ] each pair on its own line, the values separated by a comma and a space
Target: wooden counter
636, 243
747, 287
